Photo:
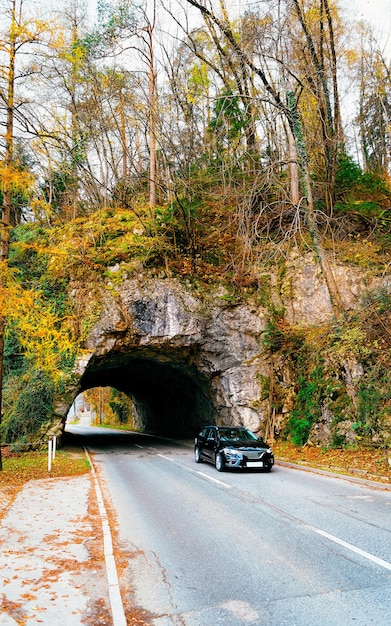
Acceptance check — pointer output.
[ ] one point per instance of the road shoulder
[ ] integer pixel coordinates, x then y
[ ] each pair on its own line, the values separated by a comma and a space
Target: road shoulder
51, 562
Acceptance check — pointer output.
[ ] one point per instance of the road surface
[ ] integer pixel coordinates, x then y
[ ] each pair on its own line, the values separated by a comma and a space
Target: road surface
206, 548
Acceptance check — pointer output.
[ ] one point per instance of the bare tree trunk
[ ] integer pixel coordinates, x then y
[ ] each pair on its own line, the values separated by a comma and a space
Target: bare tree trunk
293, 168
123, 138
335, 298
322, 92
152, 122
7, 193
270, 423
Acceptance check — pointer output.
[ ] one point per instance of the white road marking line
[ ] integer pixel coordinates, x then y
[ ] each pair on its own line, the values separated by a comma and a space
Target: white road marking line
215, 480
341, 542
138, 445
117, 607
368, 498
219, 482
349, 546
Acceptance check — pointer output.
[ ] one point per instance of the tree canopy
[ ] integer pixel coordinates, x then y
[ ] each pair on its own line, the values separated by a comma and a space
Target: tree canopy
188, 138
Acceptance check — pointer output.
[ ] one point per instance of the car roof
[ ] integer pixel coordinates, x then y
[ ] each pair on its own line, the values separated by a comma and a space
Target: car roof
225, 427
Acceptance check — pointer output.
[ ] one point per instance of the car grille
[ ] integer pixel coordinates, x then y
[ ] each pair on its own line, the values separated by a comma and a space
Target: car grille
254, 455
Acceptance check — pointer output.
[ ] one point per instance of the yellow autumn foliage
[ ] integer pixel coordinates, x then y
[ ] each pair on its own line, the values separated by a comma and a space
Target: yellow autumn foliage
45, 339
15, 179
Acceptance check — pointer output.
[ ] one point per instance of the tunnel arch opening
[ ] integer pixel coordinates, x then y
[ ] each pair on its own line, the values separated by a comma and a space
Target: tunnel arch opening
171, 397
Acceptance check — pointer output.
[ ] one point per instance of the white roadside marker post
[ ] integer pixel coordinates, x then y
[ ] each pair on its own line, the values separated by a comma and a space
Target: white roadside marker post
50, 455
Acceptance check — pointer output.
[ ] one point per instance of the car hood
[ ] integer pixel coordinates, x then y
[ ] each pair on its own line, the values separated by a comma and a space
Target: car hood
244, 445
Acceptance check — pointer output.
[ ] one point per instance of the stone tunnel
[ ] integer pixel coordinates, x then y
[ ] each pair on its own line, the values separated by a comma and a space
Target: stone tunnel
185, 361
188, 357
170, 396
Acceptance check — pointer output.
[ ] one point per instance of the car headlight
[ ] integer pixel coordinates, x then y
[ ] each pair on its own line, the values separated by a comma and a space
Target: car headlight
232, 454
269, 450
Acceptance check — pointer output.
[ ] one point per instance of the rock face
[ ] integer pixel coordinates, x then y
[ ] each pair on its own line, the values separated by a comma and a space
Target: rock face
184, 361
187, 361
304, 294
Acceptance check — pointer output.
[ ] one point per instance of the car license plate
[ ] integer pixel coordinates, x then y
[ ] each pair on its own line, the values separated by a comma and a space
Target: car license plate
255, 464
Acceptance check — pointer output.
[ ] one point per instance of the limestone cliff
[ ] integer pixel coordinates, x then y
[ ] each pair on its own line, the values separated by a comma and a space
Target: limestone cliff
188, 359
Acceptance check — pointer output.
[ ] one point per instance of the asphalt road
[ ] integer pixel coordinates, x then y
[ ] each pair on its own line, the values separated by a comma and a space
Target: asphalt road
206, 548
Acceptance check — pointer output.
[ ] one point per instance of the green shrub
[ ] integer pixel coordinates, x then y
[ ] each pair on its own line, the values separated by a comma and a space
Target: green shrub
33, 407
307, 408
122, 406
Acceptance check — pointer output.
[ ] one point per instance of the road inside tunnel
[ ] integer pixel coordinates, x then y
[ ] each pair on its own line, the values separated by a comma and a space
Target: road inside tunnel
170, 396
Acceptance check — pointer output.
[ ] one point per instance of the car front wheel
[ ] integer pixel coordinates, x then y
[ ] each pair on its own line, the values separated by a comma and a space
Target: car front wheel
219, 462
197, 455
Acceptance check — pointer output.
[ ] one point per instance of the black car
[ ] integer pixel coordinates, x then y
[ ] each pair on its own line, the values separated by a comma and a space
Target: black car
232, 446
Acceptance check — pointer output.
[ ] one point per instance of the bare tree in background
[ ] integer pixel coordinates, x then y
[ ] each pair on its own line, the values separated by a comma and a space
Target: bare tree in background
287, 107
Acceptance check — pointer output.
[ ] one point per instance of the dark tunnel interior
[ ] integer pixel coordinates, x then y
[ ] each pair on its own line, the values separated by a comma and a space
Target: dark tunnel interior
171, 397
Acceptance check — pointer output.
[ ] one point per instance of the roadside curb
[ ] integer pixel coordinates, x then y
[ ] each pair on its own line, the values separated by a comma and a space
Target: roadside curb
117, 607
316, 470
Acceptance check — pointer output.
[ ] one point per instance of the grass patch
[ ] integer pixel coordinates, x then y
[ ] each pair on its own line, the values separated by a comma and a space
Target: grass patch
361, 462
126, 427
19, 468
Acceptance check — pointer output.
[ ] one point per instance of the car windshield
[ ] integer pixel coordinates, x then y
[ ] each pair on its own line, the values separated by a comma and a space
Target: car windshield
241, 434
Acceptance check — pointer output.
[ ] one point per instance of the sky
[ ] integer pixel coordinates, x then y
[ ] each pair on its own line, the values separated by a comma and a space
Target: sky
377, 13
